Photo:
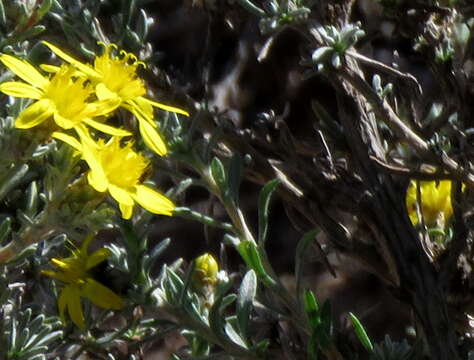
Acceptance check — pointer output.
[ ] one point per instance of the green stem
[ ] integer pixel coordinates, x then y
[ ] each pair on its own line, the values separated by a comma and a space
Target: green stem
244, 234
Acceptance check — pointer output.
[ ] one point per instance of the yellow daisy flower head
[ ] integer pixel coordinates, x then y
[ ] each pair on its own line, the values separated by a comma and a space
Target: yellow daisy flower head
64, 97
114, 75
119, 170
74, 272
434, 202
118, 72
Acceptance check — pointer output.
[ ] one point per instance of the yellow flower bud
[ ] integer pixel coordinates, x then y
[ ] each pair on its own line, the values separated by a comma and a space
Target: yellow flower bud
205, 271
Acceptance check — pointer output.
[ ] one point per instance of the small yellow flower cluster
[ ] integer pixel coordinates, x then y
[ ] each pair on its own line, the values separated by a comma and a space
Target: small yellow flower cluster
80, 98
434, 203
74, 271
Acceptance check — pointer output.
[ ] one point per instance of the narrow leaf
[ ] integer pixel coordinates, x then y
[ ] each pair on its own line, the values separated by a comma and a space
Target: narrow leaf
234, 177
361, 333
234, 336
303, 244
246, 296
5, 229
12, 178
218, 173
263, 204
3, 18
216, 320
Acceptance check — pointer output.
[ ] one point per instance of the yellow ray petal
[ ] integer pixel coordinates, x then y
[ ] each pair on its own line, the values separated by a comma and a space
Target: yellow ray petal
62, 303
101, 295
96, 176
103, 107
141, 109
74, 306
152, 139
107, 129
56, 275
97, 257
126, 211
165, 107
104, 93
24, 70
60, 264
153, 201
97, 180
84, 250
86, 69
63, 122
85, 137
34, 114
122, 196
49, 68
21, 90
68, 139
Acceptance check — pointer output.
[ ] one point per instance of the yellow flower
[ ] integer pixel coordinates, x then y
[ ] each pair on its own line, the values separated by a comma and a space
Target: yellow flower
115, 77
119, 170
435, 202
74, 273
62, 97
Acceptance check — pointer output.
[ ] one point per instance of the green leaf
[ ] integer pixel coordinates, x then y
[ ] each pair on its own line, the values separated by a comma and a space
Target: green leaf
25, 35
216, 319
22, 338
187, 281
228, 300
181, 187
336, 61
173, 286
32, 197
132, 40
263, 204
193, 310
303, 244
361, 333
321, 54
5, 229
251, 255
155, 253
234, 336
143, 24
3, 18
313, 346
233, 241
323, 331
252, 8
44, 8
218, 173
234, 177
13, 333
320, 322
311, 307
462, 33
12, 178
36, 324
246, 296
128, 8
262, 346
